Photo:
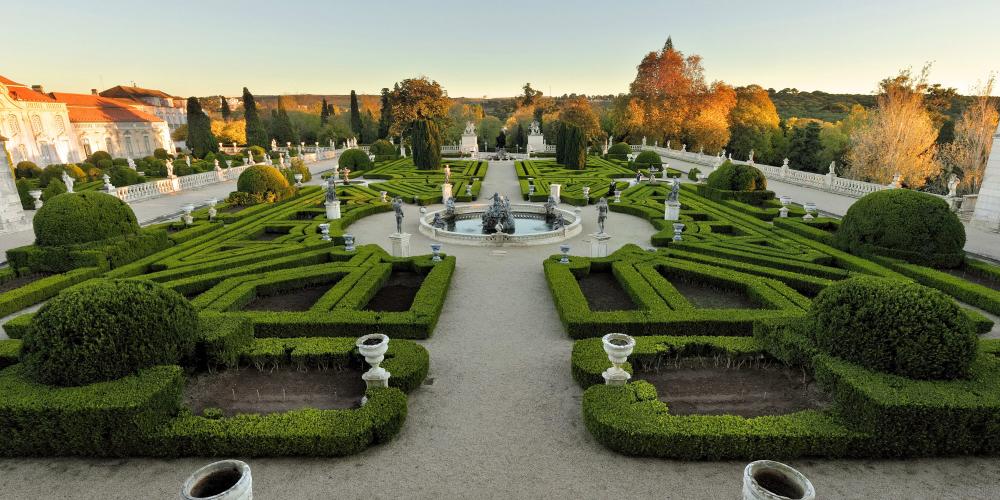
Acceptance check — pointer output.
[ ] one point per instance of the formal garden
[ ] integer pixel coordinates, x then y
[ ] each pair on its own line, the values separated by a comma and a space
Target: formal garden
150, 338
752, 328
746, 327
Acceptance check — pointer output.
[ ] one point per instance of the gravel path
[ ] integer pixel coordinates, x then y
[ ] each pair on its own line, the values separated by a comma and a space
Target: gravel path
500, 415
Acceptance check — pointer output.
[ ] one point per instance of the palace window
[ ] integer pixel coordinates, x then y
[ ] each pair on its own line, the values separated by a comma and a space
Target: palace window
12, 125
145, 140
36, 124
128, 147
107, 141
87, 149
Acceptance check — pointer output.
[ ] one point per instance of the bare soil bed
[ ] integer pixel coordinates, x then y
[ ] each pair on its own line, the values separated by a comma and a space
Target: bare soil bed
300, 299
21, 281
397, 294
604, 293
698, 387
706, 296
249, 390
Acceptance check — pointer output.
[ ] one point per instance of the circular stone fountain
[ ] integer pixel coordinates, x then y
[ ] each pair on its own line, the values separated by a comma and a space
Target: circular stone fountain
500, 223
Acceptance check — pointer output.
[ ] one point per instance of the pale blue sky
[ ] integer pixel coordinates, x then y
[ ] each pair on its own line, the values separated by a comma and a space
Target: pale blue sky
476, 48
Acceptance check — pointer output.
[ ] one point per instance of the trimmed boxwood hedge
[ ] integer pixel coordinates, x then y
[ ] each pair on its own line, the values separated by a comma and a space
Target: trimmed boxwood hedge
895, 327
73, 218
904, 224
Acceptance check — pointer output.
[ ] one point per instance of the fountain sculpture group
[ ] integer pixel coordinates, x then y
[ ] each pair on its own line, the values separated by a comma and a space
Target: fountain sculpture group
498, 218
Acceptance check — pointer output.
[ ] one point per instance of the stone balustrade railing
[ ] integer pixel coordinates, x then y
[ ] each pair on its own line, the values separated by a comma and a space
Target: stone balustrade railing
825, 182
152, 189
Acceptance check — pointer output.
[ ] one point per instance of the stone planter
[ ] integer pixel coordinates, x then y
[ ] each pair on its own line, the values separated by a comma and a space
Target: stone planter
769, 480
618, 347
225, 480
373, 347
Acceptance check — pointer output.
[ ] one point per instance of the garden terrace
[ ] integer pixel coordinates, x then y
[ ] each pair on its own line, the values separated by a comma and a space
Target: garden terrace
597, 175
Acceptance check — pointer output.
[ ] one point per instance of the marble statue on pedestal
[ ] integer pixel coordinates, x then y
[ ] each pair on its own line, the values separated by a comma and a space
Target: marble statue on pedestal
397, 206
602, 214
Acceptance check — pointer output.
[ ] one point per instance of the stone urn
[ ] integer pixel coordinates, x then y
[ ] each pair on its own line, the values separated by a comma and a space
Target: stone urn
324, 229
298, 180
188, 219
225, 480
436, 251
564, 248
37, 195
349, 242
212, 212
373, 347
769, 480
618, 347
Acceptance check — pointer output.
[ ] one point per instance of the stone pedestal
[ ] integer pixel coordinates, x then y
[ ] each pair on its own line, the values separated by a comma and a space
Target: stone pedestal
672, 210
445, 192
554, 191
400, 243
536, 143
12, 217
469, 144
987, 207
333, 210
599, 244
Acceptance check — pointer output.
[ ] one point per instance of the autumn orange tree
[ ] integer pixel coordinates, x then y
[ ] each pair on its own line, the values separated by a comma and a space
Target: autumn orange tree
753, 125
899, 136
967, 155
418, 99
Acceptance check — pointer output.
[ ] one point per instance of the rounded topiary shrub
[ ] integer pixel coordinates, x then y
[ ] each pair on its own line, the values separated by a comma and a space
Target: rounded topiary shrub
261, 184
620, 148
732, 177
914, 226
382, 147
72, 218
648, 158
27, 170
54, 173
354, 159
894, 327
97, 156
107, 329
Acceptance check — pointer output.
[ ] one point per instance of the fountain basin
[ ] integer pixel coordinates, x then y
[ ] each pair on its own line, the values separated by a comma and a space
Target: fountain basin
530, 228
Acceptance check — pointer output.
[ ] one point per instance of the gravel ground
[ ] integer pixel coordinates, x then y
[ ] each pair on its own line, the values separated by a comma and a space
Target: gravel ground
500, 415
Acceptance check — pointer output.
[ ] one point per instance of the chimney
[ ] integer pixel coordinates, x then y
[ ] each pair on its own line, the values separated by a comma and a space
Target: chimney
93, 91
38, 88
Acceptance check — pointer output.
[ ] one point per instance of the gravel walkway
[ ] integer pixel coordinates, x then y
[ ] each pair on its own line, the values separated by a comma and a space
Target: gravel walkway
500, 415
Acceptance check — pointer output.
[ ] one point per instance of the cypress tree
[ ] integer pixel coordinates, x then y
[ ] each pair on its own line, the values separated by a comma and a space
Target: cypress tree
426, 144
324, 113
576, 148
256, 134
200, 139
561, 143
356, 125
226, 112
283, 130
385, 116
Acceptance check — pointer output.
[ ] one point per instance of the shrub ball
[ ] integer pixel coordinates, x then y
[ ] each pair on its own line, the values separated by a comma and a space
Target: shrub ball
648, 158
910, 225
260, 179
732, 177
382, 147
894, 327
107, 329
620, 148
72, 218
354, 159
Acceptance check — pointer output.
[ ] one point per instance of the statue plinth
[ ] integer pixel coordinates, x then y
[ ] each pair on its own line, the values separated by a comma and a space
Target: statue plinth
400, 243
599, 244
672, 210
536, 143
333, 210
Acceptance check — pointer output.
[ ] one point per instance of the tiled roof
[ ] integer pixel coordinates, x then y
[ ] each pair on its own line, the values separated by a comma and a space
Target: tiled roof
22, 92
134, 92
89, 108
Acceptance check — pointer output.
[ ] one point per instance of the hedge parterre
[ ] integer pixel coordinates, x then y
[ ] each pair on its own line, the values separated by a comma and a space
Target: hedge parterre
219, 266
738, 243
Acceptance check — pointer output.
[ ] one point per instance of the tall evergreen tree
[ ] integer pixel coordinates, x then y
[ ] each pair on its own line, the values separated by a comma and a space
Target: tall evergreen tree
356, 125
669, 45
226, 112
283, 131
805, 147
199, 139
255, 131
576, 148
385, 116
561, 143
426, 144
324, 113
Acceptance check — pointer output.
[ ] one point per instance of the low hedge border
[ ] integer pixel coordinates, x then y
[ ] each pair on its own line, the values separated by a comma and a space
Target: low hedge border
109, 253
974, 294
407, 361
28, 295
589, 360
630, 419
10, 351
